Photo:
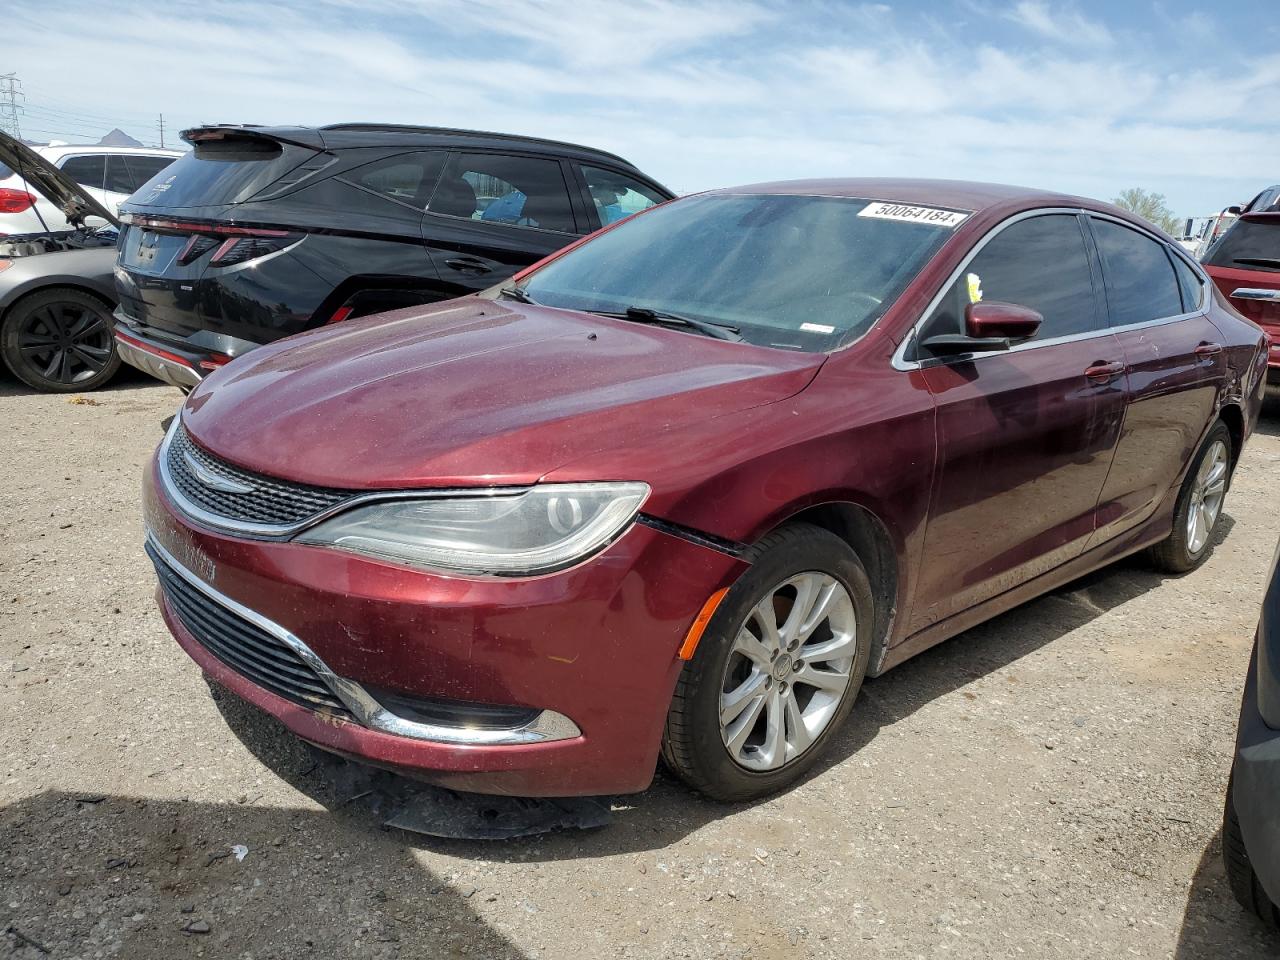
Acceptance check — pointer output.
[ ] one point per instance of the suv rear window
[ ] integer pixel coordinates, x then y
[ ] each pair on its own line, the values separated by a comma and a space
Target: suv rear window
1251, 244
223, 171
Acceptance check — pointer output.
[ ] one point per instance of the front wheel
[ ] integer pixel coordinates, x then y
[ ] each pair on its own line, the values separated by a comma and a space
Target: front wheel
1199, 505
777, 669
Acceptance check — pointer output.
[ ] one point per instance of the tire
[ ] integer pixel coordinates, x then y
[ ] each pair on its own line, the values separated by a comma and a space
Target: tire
76, 326
1179, 552
1244, 882
792, 563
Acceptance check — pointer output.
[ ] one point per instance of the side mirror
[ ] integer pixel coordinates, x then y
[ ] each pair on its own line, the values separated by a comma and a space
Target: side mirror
989, 325
1235, 210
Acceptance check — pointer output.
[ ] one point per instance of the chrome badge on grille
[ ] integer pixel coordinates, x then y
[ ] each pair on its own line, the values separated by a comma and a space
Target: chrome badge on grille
212, 480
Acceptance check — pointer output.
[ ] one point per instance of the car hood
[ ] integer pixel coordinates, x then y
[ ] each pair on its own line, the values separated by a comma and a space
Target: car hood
473, 392
63, 192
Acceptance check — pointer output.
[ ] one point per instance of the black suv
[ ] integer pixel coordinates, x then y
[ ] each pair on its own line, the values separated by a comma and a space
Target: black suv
263, 232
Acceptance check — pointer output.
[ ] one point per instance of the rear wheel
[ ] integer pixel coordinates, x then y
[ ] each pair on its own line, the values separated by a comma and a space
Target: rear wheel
777, 669
1199, 505
60, 341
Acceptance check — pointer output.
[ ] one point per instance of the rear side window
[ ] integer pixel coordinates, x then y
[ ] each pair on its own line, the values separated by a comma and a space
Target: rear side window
87, 171
617, 196
142, 169
517, 191
1141, 284
1190, 284
1041, 263
407, 177
119, 179
1249, 244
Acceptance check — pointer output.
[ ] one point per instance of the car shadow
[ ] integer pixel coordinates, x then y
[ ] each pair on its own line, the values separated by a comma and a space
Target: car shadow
86, 875
1215, 926
668, 811
126, 380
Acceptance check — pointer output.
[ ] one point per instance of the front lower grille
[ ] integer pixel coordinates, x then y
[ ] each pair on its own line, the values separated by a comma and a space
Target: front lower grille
243, 646
266, 501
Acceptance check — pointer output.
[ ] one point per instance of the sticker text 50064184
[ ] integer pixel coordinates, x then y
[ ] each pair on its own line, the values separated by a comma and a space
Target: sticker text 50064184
933, 216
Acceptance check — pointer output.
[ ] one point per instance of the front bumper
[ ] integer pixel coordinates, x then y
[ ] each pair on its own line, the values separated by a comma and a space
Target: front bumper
1256, 789
594, 646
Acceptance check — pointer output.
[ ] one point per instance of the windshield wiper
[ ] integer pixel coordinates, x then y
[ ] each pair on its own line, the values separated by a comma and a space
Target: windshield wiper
516, 293
1257, 261
721, 331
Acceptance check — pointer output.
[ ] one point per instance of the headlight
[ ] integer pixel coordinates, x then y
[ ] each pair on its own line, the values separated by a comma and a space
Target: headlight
544, 528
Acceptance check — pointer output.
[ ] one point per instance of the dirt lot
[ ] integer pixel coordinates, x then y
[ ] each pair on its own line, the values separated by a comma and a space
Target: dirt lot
1048, 785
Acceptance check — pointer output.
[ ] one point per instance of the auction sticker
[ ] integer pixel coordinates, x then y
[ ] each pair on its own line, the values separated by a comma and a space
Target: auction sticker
934, 216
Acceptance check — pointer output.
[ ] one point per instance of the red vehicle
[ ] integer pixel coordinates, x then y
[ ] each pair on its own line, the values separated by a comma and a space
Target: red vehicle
1245, 265
681, 487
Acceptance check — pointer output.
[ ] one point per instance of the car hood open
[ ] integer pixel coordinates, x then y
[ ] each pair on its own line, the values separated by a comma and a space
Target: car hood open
473, 392
59, 189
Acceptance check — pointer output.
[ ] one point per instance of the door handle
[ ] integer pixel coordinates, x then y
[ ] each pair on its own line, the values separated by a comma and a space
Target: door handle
1206, 349
469, 264
1104, 370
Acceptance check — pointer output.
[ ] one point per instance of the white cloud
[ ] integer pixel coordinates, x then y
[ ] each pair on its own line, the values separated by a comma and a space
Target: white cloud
1063, 25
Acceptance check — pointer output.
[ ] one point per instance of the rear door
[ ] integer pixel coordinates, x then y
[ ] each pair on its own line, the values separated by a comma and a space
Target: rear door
1025, 437
1157, 309
493, 214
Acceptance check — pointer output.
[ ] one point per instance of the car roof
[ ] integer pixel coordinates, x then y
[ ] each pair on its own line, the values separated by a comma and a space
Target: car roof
955, 194
338, 136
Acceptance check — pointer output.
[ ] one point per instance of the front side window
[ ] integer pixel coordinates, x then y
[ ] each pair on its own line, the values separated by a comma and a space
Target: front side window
796, 272
1041, 263
1141, 284
517, 191
617, 196
88, 171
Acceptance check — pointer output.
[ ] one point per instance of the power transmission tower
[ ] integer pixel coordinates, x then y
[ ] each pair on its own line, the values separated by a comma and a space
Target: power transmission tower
162, 131
10, 95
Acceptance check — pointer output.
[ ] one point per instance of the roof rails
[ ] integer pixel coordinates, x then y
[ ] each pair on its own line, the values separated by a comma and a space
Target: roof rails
457, 132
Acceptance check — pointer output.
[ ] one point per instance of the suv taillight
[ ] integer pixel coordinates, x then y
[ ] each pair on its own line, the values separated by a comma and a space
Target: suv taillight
15, 201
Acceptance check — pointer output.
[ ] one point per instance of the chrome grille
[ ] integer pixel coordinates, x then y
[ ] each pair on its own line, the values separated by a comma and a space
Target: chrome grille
243, 646
268, 500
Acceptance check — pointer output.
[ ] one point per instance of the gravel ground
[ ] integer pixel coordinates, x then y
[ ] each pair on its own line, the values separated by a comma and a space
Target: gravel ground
1047, 785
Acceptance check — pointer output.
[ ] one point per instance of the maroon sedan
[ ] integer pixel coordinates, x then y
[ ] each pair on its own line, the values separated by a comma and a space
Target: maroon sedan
679, 489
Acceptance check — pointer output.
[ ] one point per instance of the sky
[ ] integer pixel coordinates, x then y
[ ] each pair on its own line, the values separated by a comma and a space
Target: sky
1083, 97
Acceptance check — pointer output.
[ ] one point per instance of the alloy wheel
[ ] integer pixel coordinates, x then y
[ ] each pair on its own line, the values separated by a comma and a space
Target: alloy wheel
1205, 504
787, 671
65, 342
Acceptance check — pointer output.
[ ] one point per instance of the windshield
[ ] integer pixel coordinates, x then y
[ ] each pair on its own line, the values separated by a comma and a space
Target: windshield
801, 273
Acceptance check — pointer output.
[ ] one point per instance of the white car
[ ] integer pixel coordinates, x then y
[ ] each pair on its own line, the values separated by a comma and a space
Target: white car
109, 174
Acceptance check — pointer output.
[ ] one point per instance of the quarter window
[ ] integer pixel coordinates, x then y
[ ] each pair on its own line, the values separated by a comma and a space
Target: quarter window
617, 196
88, 171
1041, 263
1141, 284
407, 177
1189, 283
517, 191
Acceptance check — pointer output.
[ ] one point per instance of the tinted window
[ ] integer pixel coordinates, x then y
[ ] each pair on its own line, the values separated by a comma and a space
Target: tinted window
1190, 285
1141, 284
407, 177
1248, 244
142, 169
229, 170
803, 273
616, 195
87, 171
1041, 263
518, 191
119, 179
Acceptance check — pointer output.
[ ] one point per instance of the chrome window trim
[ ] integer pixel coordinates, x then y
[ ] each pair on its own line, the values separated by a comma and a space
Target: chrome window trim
900, 361
547, 726
278, 531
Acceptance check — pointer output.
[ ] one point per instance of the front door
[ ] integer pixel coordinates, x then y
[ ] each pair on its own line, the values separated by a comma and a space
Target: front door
1025, 437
